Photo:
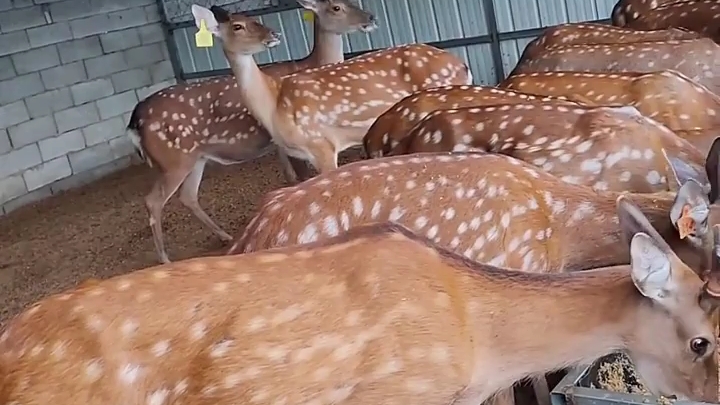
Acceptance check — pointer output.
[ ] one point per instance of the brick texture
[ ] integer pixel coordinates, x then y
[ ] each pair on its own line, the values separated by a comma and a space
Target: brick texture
71, 71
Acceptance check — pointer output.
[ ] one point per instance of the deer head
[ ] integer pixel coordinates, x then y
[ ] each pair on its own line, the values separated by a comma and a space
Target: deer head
340, 16
696, 207
240, 35
684, 361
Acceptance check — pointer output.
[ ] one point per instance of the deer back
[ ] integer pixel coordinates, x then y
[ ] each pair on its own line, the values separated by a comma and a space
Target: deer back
699, 16
490, 208
695, 58
603, 148
681, 104
354, 93
592, 33
626, 11
394, 124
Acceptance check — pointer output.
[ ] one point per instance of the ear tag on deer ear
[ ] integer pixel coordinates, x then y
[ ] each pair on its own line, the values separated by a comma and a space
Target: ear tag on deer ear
203, 38
685, 224
308, 15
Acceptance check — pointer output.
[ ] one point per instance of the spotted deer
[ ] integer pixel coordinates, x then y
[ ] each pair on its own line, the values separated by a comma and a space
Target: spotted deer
695, 58
605, 148
491, 208
701, 16
378, 315
395, 123
626, 11
315, 114
180, 128
687, 108
594, 33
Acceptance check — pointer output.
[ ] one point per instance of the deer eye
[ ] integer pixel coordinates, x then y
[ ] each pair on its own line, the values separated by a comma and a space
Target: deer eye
238, 27
336, 8
699, 346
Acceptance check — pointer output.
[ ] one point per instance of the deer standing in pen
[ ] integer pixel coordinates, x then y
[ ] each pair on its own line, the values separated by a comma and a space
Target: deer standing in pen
687, 108
698, 59
701, 16
180, 128
315, 114
604, 148
393, 125
626, 11
379, 315
594, 33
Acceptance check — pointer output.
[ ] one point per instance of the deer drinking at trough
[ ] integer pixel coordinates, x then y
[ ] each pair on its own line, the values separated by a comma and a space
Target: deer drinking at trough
315, 114
698, 59
379, 315
702, 16
179, 129
395, 123
490, 208
604, 148
687, 108
594, 33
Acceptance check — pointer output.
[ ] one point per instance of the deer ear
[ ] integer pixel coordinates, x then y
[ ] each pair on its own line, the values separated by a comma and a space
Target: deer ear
201, 13
651, 269
681, 171
690, 210
309, 4
633, 221
712, 165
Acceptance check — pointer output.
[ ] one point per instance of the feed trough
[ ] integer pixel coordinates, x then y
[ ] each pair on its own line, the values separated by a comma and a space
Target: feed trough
609, 381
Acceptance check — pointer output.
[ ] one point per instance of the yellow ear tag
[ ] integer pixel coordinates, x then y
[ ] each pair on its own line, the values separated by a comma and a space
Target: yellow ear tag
203, 38
308, 15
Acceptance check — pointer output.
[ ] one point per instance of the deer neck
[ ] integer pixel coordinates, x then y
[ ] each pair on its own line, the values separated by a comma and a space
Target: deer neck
259, 91
575, 318
605, 244
327, 47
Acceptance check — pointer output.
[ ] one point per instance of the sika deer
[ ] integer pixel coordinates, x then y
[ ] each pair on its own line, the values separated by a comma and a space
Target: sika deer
626, 11
592, 33
687, 108
701, 16
315, 114
376, 316
395, 123
180, 128
491, 208
698, 59
605, 148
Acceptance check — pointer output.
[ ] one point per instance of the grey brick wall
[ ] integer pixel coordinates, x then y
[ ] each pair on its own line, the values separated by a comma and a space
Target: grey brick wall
71, 71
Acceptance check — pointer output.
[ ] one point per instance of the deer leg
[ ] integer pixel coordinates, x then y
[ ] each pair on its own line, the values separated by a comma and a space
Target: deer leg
161, 192
189, 198
325, 156
287, 166
542, 392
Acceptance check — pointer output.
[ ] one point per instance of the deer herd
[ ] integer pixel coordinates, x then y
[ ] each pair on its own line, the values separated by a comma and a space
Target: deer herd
493, 234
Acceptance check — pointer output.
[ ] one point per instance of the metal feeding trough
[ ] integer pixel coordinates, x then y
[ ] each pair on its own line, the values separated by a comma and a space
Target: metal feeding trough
577, 388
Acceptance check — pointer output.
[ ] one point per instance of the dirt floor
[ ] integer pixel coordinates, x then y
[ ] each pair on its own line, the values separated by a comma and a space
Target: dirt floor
101, 230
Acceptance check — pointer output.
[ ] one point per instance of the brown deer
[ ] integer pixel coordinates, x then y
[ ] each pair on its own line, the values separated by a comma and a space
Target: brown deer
701, 16
315, 114
395, 123
687, 108
695, 58
594, 33
378, 315
491, 208
604, 148
626, 11
180, 128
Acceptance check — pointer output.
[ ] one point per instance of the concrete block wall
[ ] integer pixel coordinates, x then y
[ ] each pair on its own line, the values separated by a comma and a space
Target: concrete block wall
71, 71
